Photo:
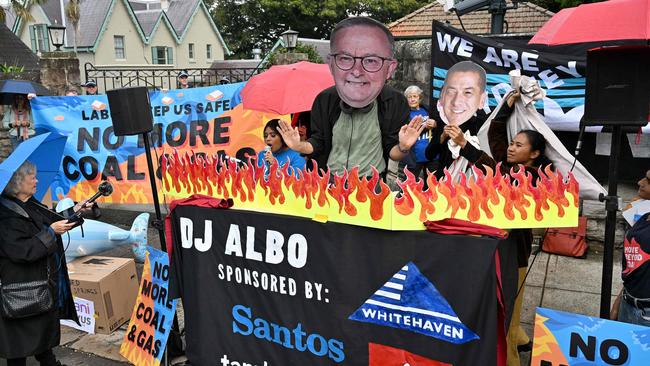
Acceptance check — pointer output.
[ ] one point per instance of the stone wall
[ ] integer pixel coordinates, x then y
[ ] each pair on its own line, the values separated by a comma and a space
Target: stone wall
414, 65
60, 72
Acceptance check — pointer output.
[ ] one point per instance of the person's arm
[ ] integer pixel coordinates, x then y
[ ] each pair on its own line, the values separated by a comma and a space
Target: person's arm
467, 150
21, 245
291, 137
408, 135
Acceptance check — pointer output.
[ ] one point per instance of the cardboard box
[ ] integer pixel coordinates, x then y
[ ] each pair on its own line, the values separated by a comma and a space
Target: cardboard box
110, 283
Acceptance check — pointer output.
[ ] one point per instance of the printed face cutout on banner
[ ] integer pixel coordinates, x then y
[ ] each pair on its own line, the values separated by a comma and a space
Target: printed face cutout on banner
461, 96
356, 86
644, 186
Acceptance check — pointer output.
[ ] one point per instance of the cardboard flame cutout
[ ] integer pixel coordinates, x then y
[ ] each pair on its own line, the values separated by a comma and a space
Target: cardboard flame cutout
492, 199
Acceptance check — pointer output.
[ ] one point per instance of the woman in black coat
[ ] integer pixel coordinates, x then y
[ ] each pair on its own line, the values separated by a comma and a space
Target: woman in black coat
31, 249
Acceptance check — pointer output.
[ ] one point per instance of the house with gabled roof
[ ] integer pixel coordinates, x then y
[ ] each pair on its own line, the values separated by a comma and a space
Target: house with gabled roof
524, 20
13, 52
129, 34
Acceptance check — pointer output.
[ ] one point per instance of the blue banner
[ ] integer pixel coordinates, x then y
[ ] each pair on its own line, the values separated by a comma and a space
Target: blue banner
571, 339
210, 120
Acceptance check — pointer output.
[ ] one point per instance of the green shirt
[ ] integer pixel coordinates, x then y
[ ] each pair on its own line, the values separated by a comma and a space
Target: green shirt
356, 141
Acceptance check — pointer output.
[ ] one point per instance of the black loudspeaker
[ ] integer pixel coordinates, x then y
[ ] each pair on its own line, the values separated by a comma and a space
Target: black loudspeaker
618, 86
130, 110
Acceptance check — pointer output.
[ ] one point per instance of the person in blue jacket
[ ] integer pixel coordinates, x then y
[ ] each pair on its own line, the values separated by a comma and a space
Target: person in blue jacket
416, 161
276, 150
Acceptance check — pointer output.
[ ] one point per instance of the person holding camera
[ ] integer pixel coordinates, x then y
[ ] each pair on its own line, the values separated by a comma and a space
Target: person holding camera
34, 283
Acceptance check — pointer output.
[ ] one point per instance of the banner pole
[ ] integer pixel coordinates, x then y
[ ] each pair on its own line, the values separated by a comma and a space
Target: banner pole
611, 206
158, 224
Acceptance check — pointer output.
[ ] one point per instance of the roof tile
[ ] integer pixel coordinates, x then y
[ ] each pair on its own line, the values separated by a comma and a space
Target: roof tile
526, 19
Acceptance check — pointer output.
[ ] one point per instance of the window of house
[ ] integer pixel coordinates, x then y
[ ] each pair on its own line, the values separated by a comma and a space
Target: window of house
39, 37
161, 55
119, 47
190, 51
208, 52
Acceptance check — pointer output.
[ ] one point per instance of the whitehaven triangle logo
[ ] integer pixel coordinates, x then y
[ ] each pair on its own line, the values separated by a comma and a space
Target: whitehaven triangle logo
409, 301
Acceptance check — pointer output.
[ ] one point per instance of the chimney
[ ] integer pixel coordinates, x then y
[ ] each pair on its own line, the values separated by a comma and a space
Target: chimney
164, 4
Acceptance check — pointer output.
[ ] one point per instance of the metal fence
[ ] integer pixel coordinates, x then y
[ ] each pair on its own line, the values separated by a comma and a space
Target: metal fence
163, 78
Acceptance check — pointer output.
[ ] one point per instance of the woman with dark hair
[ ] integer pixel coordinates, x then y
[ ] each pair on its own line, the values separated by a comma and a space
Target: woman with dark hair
276, 150
18, 119
525, 150
31, 252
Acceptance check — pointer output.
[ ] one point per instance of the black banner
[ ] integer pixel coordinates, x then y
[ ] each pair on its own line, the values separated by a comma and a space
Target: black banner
561, 75
274, 290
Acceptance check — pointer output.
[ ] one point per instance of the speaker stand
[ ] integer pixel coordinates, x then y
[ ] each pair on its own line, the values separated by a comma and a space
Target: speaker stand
158, 223
611, 206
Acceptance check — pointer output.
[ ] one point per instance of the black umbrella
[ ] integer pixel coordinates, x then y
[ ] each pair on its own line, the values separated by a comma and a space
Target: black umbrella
10, 88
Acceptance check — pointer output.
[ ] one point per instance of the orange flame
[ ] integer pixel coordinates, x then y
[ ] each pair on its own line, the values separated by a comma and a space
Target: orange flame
479, 198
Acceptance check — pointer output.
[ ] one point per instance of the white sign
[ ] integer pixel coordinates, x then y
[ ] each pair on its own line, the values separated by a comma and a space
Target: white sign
635, 210
86, 313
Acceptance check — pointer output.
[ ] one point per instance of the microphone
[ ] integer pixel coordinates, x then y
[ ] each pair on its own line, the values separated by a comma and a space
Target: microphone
104, 189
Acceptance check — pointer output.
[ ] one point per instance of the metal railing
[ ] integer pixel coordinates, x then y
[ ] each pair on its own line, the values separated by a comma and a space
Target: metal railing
108, 78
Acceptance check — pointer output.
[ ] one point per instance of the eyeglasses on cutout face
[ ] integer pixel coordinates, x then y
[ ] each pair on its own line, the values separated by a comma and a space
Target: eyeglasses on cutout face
369, 63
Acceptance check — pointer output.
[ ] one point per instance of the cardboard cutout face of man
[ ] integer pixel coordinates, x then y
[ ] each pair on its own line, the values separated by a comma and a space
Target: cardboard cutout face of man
358, 87
461, 96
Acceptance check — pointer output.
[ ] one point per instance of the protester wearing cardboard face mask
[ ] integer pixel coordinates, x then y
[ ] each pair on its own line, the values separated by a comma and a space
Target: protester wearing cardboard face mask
360, 122
459, 110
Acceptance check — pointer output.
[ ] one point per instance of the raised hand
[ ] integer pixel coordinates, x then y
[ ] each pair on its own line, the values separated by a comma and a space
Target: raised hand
289, 134
410, 132
456, 134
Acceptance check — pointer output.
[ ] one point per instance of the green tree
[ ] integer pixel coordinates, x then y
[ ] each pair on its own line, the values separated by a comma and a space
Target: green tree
20, 8
248, 24
73, 14
312, 54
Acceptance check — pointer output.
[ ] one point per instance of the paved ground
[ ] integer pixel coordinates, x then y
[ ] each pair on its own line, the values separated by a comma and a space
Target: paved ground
561, 283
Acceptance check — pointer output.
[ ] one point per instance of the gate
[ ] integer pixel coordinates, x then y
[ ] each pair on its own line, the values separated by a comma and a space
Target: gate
163, 78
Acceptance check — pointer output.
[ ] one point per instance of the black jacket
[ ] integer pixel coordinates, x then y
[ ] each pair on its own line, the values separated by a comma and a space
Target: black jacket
393, 114
473, 125
28, 251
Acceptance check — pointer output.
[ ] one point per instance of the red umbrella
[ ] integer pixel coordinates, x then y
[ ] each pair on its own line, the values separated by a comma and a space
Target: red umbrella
605, 21
285, 89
